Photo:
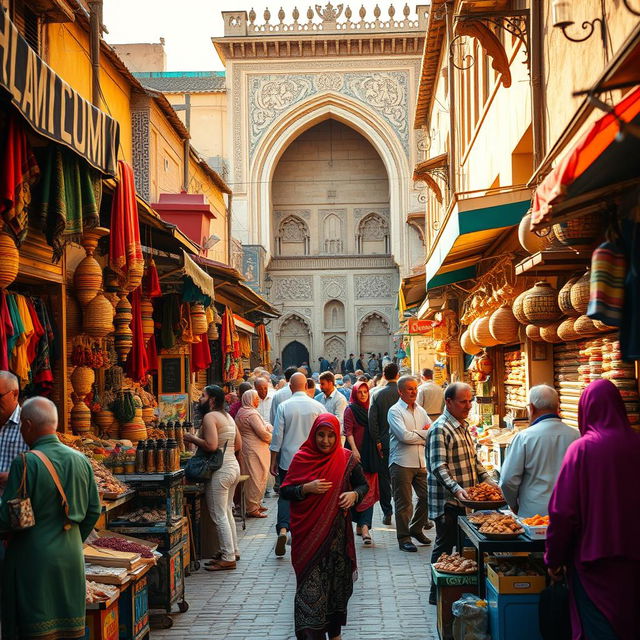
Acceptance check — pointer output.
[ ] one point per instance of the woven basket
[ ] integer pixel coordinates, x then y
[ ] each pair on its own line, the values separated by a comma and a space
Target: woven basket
212, 331
549, 333
529, 240
472, 332
82, 380
199, 323
146, 309
533, 333
601, 326
518, 308
579, 233
133, 431
9, 260
123, 312
98, 317
482, 334
114, 430
584, 326
80, 418
503, 325
123, 341
541, 304
580, 293
74, 317
564, 298
87, 280
566, 330
468, 345
103, 421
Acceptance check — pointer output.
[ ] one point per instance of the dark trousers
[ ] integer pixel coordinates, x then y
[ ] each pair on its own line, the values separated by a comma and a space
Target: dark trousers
404, 481
594, 623
362, 518
446, 536
283, 505
384, 484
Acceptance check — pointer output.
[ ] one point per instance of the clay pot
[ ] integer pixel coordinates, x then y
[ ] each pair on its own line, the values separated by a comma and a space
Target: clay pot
467, 344
580, 293
82, 380
549, 333
579, 233
533, 333
98, 317
9, 260
503, 325
564, 298
541, 304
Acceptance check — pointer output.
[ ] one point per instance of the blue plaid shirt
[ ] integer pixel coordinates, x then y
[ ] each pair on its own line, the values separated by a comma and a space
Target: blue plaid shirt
11, 442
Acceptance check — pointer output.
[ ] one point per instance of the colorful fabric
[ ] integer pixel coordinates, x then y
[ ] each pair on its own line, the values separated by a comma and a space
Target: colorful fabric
200, 354
125, 249
70, 198
245, 344
41, 372
19, 173
152, 355
230, 343
264, 346
151, 281
32, 572
137, 363
6, 331
311, 518
595, 506
20, 363
38, 331
606, 297
16, 322
186, 330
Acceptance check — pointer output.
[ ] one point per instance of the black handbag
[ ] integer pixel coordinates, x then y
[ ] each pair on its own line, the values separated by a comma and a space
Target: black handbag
553, 612
204, 464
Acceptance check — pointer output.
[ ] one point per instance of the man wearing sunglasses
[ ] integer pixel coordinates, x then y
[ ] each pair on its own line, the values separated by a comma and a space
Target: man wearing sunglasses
11, 441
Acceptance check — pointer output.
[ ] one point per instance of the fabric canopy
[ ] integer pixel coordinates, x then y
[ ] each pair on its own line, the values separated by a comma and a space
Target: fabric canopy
200, 278
605, 155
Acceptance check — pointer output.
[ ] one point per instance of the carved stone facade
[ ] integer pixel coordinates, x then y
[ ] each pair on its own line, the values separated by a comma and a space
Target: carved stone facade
140, 122
293, 288
375, 286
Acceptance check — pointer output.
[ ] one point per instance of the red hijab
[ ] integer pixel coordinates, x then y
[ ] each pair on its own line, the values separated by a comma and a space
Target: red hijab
312, 518
353, 399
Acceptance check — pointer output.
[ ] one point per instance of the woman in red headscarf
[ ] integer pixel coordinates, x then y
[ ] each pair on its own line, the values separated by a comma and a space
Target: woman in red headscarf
594, 520
323, 482
356, 430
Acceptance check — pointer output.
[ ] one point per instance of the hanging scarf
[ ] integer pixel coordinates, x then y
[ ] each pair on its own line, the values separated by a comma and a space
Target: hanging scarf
19, 172
200, 354
137, 364
125, 250
151, 282
152, 355
70, 198
6, 330
45, 352
360, 409
313, 517
38, 331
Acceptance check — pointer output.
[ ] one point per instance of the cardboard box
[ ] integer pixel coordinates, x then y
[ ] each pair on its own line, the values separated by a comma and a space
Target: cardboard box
515, 584
449, 589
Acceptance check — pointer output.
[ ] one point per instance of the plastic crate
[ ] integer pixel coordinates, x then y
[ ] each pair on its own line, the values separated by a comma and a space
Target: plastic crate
513, 616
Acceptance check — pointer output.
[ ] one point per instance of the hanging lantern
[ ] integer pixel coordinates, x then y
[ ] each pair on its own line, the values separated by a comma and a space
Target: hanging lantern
9, 260
503, 325
146, 309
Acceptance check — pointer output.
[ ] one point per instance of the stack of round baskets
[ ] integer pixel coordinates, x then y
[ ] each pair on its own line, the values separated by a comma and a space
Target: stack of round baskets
9, 260
134, 430
199, 323
98, 317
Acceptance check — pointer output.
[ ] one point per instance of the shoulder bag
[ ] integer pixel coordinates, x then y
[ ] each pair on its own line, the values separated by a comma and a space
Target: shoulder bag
204, 464
21, 514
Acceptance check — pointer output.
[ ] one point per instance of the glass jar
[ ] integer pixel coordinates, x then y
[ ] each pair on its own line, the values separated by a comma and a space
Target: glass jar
140, 457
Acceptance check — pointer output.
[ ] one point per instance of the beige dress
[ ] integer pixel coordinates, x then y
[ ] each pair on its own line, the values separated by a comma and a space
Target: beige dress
256, 436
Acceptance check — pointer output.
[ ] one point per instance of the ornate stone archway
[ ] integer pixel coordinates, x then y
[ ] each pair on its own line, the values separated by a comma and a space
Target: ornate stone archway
374, 333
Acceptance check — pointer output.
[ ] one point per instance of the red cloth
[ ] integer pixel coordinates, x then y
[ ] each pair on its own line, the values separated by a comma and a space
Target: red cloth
6, 330
19, 172
137, 363
200, 353
151, 283
312, 518
38, 332
234, 408
595, 506
152, 355
125, 250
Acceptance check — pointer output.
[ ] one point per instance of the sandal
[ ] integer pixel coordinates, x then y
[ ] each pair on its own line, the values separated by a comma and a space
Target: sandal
216, 558
256, 514
366, 540
221, 565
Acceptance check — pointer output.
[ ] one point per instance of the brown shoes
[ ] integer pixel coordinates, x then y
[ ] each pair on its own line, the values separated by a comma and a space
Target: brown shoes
221, 565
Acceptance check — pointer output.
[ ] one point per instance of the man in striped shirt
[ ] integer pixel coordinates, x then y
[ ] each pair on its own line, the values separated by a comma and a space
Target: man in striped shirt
453, 467
11, 441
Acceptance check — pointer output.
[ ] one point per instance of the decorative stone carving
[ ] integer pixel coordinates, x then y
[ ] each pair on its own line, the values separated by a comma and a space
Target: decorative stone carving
329, 82
299, 213
385, 312
374, 286
334, 316
332, 227
140, 124
294, 326
293, 288
375, 325
361, 212
334, 287
334, 347
374, 228
292, 229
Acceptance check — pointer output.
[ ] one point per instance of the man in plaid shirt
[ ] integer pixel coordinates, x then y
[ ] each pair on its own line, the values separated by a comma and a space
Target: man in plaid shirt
11, 440
453, 467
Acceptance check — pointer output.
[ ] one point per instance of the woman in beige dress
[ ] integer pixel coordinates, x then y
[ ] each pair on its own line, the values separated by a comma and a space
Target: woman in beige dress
256, 436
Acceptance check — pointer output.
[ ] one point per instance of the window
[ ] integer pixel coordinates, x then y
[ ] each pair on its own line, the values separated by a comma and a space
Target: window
27, 23
332, 234
293, 237
373, 235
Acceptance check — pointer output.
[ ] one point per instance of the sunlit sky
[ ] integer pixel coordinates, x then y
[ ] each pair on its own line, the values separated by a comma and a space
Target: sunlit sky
188, 25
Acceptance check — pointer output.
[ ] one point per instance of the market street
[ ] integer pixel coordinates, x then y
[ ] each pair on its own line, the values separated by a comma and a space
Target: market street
255, 602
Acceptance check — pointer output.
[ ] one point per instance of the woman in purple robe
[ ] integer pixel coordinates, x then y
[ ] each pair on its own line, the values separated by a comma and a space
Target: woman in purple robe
595, 519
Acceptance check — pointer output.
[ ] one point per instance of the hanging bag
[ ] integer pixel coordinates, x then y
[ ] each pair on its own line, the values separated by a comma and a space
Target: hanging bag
204, 464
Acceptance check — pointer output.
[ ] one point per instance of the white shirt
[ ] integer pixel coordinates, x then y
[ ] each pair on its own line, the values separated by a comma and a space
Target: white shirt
431, 397
334, 403
532, 464
264, 408
294, 420
278, 397
407, 435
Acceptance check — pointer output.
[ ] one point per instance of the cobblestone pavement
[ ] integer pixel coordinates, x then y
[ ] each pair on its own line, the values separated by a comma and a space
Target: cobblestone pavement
255, 602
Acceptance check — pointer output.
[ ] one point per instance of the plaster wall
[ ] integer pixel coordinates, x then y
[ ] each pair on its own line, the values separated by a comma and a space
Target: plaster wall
143, 56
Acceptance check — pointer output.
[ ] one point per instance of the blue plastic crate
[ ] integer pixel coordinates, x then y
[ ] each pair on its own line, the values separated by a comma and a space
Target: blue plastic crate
513, 617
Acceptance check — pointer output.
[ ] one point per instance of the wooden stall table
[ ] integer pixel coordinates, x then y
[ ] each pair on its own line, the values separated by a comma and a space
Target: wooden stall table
485, 545
102, 621
133, 606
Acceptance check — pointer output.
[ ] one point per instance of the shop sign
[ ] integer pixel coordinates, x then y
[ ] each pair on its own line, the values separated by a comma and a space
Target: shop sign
420, 327
51, 106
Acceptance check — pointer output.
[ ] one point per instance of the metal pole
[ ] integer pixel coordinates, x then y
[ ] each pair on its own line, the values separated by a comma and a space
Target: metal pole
95, 25
538, 111
453, 156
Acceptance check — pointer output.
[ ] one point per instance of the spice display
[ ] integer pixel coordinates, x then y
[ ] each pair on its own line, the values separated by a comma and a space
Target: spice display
121, 544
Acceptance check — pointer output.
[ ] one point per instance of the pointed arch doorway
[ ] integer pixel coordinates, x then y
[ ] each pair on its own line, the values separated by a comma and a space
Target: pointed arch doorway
294, 354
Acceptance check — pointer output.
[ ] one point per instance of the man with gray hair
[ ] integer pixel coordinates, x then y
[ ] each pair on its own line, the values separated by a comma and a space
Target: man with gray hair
535, 455
11, 440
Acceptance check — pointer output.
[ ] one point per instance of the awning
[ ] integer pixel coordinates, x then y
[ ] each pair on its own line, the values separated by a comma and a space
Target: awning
243, 325
605, 155
472, 225
51, 106
200, 278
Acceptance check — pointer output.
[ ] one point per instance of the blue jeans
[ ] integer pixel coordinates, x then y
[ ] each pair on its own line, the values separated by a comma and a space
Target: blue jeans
283, 505
362, 518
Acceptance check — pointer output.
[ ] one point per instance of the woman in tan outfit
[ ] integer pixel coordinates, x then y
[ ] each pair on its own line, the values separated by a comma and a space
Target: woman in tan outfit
256, 436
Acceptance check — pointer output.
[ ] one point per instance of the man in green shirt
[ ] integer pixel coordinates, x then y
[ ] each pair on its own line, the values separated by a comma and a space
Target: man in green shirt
43, 583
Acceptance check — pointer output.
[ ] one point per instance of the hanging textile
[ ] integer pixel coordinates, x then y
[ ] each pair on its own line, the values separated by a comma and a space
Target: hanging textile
41, 370
152, 355
264, 347
6, 330
38, 331
245, 345
137, 364
230, 343
125, 249
20, 360
151, 281
200, 354
19, 173
70, 198
186, 332
608, 271
170, 324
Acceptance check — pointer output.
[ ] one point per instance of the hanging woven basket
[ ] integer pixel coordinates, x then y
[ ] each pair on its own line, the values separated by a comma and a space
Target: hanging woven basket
146, 308
566, 330
212, 331
564, 297
518, 308
529, 240
541, 304
580, 293
549, 333
503, 325
533, 333
82, 380
199, 323
584, 326
123, 341
98, 317
482, 334
9, 260
579, 233
468, 345
87, 280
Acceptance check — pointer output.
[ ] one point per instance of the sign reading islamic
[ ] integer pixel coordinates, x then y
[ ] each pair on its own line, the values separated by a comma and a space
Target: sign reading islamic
51, 106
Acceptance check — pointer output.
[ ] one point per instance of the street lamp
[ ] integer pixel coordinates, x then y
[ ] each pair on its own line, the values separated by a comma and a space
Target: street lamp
563, 19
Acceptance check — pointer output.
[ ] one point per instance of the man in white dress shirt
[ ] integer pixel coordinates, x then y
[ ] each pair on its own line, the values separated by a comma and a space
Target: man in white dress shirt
535, 455
292, 426
334, 402
430, 395
264, 406
281, 395
408, 428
